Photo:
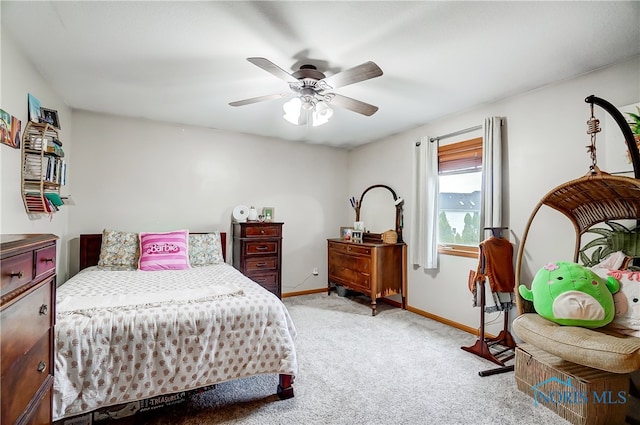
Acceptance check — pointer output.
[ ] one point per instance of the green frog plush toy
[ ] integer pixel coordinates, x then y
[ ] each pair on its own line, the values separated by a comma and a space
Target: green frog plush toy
571, 294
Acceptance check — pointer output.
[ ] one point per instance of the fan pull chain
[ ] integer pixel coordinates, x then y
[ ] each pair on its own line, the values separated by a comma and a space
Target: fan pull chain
593, 127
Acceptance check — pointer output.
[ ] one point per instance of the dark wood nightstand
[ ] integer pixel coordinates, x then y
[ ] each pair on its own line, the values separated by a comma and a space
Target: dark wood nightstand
257, 253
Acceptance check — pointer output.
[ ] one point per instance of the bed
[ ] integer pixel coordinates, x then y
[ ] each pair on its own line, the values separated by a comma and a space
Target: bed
127, 335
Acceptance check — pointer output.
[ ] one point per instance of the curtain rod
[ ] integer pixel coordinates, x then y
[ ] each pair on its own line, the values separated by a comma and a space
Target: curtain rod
456, 133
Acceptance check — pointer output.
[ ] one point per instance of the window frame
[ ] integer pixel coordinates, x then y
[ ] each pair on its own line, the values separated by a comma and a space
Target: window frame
465, 154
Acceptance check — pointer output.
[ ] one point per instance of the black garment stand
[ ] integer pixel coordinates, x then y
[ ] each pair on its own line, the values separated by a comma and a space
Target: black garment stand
503, 345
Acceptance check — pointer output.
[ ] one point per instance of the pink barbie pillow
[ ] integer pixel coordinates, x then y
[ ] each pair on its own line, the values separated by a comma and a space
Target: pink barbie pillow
164, 251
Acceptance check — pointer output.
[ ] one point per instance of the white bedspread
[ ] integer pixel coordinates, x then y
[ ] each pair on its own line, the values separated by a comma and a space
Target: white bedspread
128, 335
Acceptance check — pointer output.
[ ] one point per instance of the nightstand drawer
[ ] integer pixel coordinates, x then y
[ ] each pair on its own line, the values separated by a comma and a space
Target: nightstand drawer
263, 231
267, 247
27, 375
268, 281
261, 263
45, 260
16, 271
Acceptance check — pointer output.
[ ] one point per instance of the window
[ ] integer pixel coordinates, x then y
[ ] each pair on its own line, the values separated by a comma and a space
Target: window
459, 197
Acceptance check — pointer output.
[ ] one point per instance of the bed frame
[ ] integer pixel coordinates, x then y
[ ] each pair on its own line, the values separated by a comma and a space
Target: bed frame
90, 253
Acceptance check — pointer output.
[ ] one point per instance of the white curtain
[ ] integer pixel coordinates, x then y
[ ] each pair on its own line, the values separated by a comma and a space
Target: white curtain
425, 211
424, 241
491, 203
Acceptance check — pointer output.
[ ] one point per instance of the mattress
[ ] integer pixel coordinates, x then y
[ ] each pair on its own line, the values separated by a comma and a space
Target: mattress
122, 336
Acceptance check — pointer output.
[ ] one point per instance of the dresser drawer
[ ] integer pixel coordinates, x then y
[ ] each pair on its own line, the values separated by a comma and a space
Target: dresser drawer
16, 271
27, 375
266, 247
24, 323
263, 231
261, 263
350, 270
355, 262
42, 415
358, 249
269, 281
349, 277
341, 247
45, 261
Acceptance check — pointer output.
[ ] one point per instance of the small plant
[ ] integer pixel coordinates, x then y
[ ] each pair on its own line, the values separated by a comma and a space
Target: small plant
635, 125
619, 238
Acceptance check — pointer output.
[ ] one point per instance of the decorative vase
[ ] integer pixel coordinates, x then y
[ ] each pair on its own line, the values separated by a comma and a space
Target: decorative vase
253, 214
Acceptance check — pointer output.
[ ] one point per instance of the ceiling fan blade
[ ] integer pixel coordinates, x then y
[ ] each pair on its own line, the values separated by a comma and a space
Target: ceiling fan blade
274, 69
353, 75
259, 99
353, 105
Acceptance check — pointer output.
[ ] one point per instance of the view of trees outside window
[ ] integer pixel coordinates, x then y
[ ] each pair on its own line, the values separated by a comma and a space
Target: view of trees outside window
459, 208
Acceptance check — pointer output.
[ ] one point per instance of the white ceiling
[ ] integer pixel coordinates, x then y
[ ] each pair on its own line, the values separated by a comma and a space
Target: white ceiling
184, 61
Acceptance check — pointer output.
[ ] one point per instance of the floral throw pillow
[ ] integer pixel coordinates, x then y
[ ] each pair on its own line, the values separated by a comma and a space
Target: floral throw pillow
205, 249
119, 250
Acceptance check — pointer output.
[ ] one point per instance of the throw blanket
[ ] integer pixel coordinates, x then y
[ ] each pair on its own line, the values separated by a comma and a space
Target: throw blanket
88, 304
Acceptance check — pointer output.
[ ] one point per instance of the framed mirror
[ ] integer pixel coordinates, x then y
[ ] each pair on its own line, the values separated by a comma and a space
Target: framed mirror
380, 209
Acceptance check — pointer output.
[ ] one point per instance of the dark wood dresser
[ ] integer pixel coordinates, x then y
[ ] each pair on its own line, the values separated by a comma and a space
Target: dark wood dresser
257, 253
374, 269
27, 314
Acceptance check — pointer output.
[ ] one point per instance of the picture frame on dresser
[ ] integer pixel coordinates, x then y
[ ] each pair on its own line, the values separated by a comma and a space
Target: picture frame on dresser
269, 214
345, 233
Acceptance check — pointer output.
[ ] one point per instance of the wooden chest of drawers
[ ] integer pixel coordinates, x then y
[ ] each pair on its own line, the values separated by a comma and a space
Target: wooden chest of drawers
27, 313
374, 269
257, 253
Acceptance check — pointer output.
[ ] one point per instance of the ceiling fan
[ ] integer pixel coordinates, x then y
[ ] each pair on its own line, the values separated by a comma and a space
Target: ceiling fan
311, 91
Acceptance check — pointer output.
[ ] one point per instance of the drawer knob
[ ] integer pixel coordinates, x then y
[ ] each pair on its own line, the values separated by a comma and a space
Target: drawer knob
44, 309
262, 248
262, 232
42, 366
261, 264
48, 260
19, 274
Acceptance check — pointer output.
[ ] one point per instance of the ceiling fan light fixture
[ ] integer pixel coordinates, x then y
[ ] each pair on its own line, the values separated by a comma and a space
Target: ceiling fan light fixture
321, 114
292, 110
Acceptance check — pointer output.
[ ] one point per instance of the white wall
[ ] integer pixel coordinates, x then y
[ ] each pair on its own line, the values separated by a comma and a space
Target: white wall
142, 175
545, 136
137, 175
18, 78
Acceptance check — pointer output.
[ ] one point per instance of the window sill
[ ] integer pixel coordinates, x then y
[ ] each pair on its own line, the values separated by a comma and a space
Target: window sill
458, 251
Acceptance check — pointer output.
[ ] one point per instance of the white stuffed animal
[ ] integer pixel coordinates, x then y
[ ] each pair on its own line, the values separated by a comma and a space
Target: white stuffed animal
627, 302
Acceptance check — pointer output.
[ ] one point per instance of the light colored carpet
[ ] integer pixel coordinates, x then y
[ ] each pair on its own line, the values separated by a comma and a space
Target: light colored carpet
395, 368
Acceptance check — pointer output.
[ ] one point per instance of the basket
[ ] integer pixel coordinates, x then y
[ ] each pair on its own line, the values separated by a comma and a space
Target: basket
581, 395
390, 236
